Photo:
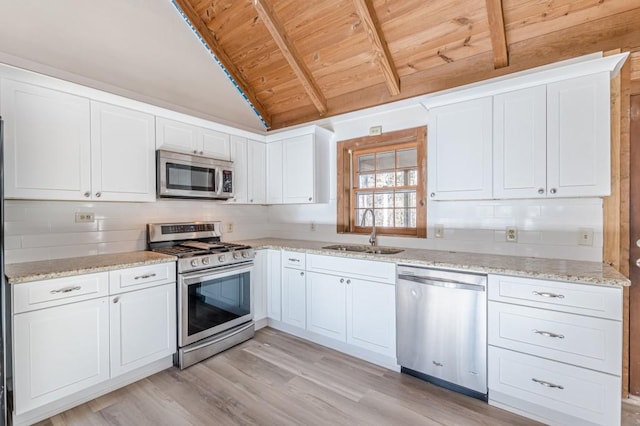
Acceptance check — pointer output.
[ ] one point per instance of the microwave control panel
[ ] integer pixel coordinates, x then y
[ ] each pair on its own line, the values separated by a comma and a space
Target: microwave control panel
227, 181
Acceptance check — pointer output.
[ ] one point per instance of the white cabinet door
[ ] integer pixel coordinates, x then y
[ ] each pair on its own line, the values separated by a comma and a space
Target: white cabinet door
143, 327
47, 143
122, 154
257, 173
59, 351
298, 170
326, 305
239, 158
213, 144
294, 294
176, 136
259, 282
578, 137
371, 316
520, 144
460, 151
274, 285
274, 172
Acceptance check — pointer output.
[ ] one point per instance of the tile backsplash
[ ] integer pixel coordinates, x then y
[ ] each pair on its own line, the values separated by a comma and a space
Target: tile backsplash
40, 230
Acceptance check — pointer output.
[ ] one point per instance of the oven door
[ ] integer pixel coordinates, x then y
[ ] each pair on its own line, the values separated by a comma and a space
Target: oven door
213, 301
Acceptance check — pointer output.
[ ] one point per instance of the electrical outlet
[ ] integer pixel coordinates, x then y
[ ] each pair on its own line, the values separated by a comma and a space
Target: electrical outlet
375, 130
85, 217
585, 237
313, 227
511, 234
439, 231
229, 227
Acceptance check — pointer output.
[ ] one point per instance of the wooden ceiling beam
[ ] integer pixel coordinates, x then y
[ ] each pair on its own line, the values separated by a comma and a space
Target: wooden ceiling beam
371, 26
290, 53
228, 65
497, 33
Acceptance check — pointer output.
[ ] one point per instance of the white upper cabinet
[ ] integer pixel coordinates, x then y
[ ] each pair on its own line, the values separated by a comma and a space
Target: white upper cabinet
178, 136
578, 136
240, 158
122, 154
47, 142
520, 143
459, 151
274, 172
257, 172
65, 147
297, 165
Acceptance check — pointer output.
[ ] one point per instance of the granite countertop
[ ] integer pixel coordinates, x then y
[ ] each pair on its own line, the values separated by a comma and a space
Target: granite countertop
17, 273
553, 269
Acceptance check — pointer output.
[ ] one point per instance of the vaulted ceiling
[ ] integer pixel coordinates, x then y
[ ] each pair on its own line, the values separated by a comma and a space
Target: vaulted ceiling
301, 60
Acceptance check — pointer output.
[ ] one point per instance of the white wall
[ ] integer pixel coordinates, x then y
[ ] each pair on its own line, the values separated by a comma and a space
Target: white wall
546, 227
41, 230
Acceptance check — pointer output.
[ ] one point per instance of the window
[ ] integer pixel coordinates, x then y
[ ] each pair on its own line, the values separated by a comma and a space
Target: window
386, 174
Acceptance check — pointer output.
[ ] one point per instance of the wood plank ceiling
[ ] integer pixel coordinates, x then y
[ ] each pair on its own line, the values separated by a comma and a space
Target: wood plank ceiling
301, 60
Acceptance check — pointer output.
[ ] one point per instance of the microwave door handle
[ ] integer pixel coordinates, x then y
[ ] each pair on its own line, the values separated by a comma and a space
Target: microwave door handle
219, 180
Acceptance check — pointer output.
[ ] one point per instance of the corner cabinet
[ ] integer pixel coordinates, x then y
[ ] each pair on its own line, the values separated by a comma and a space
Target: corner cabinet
297, 166
72, 336
65, 147
460, 151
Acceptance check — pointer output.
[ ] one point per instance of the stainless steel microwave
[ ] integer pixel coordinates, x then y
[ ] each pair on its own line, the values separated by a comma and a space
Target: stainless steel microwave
182, 175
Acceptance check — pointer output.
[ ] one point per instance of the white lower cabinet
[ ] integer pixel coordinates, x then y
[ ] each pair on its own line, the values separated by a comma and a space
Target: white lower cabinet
555, 350
59, 351
294, 297
259, 283
274, 285
73, 335
143, 327
326, 303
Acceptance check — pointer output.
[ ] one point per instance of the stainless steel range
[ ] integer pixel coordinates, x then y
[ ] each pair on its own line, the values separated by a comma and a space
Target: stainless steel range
215, 307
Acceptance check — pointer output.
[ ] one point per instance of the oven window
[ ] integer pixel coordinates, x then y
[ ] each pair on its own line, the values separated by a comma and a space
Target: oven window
190, 178
217, 301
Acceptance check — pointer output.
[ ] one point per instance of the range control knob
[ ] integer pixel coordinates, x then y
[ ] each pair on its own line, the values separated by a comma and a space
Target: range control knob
194, 262
236, 255
221, 258
245, 254
205, 260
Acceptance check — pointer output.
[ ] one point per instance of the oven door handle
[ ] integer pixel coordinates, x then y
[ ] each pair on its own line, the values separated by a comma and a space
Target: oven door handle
200, 276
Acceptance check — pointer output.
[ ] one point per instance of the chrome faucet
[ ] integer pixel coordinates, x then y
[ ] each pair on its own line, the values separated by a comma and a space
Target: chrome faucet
372, 239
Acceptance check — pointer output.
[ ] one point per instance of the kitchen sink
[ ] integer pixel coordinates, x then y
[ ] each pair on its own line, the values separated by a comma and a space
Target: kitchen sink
363, 248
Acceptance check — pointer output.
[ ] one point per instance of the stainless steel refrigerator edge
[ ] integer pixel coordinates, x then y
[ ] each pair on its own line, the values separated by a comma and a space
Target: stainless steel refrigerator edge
3, 308
442, 328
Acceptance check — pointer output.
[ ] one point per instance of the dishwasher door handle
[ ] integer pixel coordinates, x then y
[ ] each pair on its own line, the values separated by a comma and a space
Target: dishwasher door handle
441, 282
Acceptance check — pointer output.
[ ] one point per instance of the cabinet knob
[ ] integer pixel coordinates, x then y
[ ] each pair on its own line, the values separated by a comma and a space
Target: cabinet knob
301, 273
251, 200
195, 151
310, 198
553, 190
87, 194
98, 194
116, 299
201, 152
348, 281
433, 194
341, 280
540, 191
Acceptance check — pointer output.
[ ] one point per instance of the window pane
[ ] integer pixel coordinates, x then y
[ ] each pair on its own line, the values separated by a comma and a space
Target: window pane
385, 161
405, 199
400, 178
401, 218
407, 158
367, 220
412, 178
384, 217
385, 180
365, 163
364, 201
411, 218
383, 199
366, 181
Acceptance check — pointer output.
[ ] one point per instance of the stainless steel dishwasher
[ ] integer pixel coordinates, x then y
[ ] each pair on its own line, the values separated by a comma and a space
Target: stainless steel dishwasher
441, 320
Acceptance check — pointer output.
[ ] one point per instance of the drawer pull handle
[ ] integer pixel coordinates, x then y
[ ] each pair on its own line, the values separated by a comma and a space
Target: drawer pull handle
293, 260
548, 334
65, 290
145, 276
548, 384
551, 295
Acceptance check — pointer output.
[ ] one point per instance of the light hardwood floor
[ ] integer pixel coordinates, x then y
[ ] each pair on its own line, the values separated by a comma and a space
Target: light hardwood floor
278, 379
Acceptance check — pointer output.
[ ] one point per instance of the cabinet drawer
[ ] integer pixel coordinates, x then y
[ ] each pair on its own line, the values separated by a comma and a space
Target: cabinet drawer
588, 342
58, 291
141, 277
293, 259
367, 269
597, 301
557, 392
